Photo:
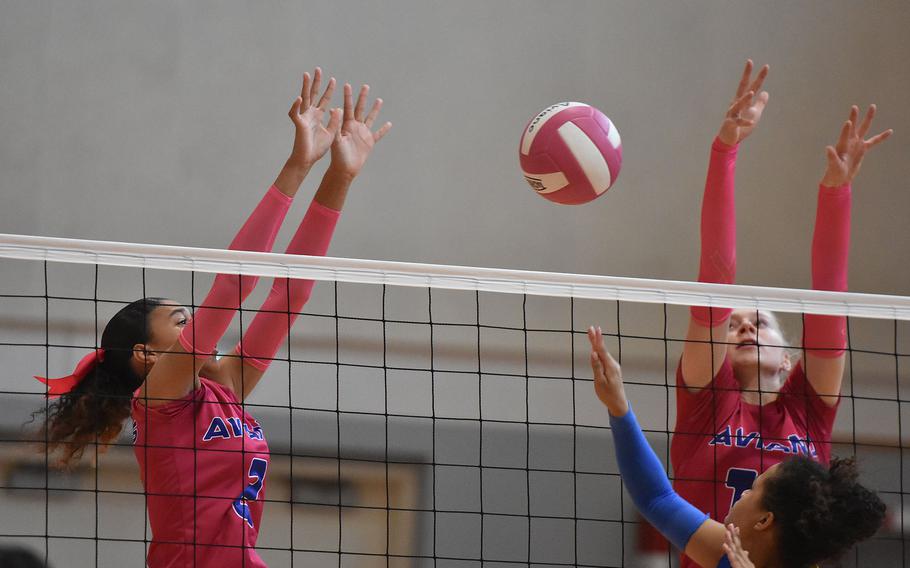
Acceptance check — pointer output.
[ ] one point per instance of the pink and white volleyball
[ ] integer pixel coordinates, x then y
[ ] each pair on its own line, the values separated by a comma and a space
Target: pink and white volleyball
570, 153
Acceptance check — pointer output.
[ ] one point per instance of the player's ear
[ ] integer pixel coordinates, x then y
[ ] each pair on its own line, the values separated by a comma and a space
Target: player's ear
764, 522
786, 363
143, 356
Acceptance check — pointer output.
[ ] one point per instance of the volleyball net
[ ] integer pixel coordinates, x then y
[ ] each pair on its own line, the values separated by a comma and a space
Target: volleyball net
417, 415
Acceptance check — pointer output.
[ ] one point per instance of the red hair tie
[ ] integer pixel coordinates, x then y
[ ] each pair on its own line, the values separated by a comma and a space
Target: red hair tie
63, 385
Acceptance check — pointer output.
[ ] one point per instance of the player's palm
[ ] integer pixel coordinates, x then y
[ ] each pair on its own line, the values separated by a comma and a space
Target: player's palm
355, 140
313, 139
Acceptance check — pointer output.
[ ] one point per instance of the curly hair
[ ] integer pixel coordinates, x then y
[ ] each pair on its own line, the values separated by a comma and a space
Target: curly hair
821, 512
95, 410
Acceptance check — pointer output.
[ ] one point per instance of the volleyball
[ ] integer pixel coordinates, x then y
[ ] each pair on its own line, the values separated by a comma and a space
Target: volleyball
570, 153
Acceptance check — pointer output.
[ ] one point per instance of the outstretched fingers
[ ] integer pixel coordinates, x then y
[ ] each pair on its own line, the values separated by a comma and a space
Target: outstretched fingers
306, 89
863, 129
374, 112
867, 122
760, 79
314, 87
371, 118
383, 130
595, 335
733, 548
844, 136
361, 103
878, 138
327, 95
744, 80
310, 91
348, 103
357, 112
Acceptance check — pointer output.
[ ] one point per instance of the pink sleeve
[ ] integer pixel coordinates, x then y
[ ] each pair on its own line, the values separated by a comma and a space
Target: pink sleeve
287, 297
826, 336
213, 317
718, 229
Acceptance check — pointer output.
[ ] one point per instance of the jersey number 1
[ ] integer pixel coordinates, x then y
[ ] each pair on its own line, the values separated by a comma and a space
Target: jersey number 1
251, 493
740, 481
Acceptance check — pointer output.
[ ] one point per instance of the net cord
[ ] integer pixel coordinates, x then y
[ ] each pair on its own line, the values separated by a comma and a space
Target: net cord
165, 257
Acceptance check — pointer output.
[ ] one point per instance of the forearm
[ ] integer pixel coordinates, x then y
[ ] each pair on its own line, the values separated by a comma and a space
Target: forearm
718, 228
649, 486
286, 299
333, 189
826, 336
291, 177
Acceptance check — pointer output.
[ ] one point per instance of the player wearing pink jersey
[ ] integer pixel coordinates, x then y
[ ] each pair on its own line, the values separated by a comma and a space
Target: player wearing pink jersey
203, 460
743, 405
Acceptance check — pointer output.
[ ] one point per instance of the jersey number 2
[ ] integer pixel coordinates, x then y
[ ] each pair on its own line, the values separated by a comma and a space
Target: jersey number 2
251, 493
740, 481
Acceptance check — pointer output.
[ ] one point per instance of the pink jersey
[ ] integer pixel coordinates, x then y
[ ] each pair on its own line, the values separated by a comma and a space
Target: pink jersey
203, 462
721, 444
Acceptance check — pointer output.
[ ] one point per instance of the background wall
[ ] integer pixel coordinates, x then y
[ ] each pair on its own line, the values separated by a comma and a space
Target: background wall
164, 123
172, 115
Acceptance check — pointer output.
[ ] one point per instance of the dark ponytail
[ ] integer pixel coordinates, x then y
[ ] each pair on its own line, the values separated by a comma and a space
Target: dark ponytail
95, 410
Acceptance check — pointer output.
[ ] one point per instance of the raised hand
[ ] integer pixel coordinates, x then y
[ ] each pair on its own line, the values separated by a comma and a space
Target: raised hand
746, 109
607, 375
355, 140
312, 139
845, 158
733, 547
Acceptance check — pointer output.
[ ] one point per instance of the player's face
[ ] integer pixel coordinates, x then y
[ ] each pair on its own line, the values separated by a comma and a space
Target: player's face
748, 511
754, 339
165, 324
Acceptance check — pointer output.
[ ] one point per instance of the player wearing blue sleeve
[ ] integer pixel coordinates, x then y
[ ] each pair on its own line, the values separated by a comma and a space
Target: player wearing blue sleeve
796, 514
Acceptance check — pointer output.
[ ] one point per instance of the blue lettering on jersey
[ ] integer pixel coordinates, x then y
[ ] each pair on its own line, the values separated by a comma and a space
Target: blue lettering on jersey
794, 444
236, 426
254, 433
231, 427
746, 441
217, 429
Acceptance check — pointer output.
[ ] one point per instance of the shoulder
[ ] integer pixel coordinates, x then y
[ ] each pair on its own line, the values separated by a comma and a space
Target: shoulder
724, 381
701, 410
796, 382
217, 372
218, 390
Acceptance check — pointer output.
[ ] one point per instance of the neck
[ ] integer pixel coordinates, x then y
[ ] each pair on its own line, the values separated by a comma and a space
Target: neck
758, 387
760, 550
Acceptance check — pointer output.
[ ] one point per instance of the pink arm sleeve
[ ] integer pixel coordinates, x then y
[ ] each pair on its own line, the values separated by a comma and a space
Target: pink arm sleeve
287, 297
213, 317
718, 229
826, 336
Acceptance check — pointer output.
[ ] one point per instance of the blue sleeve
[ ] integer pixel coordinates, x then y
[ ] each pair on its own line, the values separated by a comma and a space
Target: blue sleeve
724, 562
649, 486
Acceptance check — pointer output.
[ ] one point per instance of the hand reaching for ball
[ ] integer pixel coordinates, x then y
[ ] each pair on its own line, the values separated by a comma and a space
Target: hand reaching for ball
746, 109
